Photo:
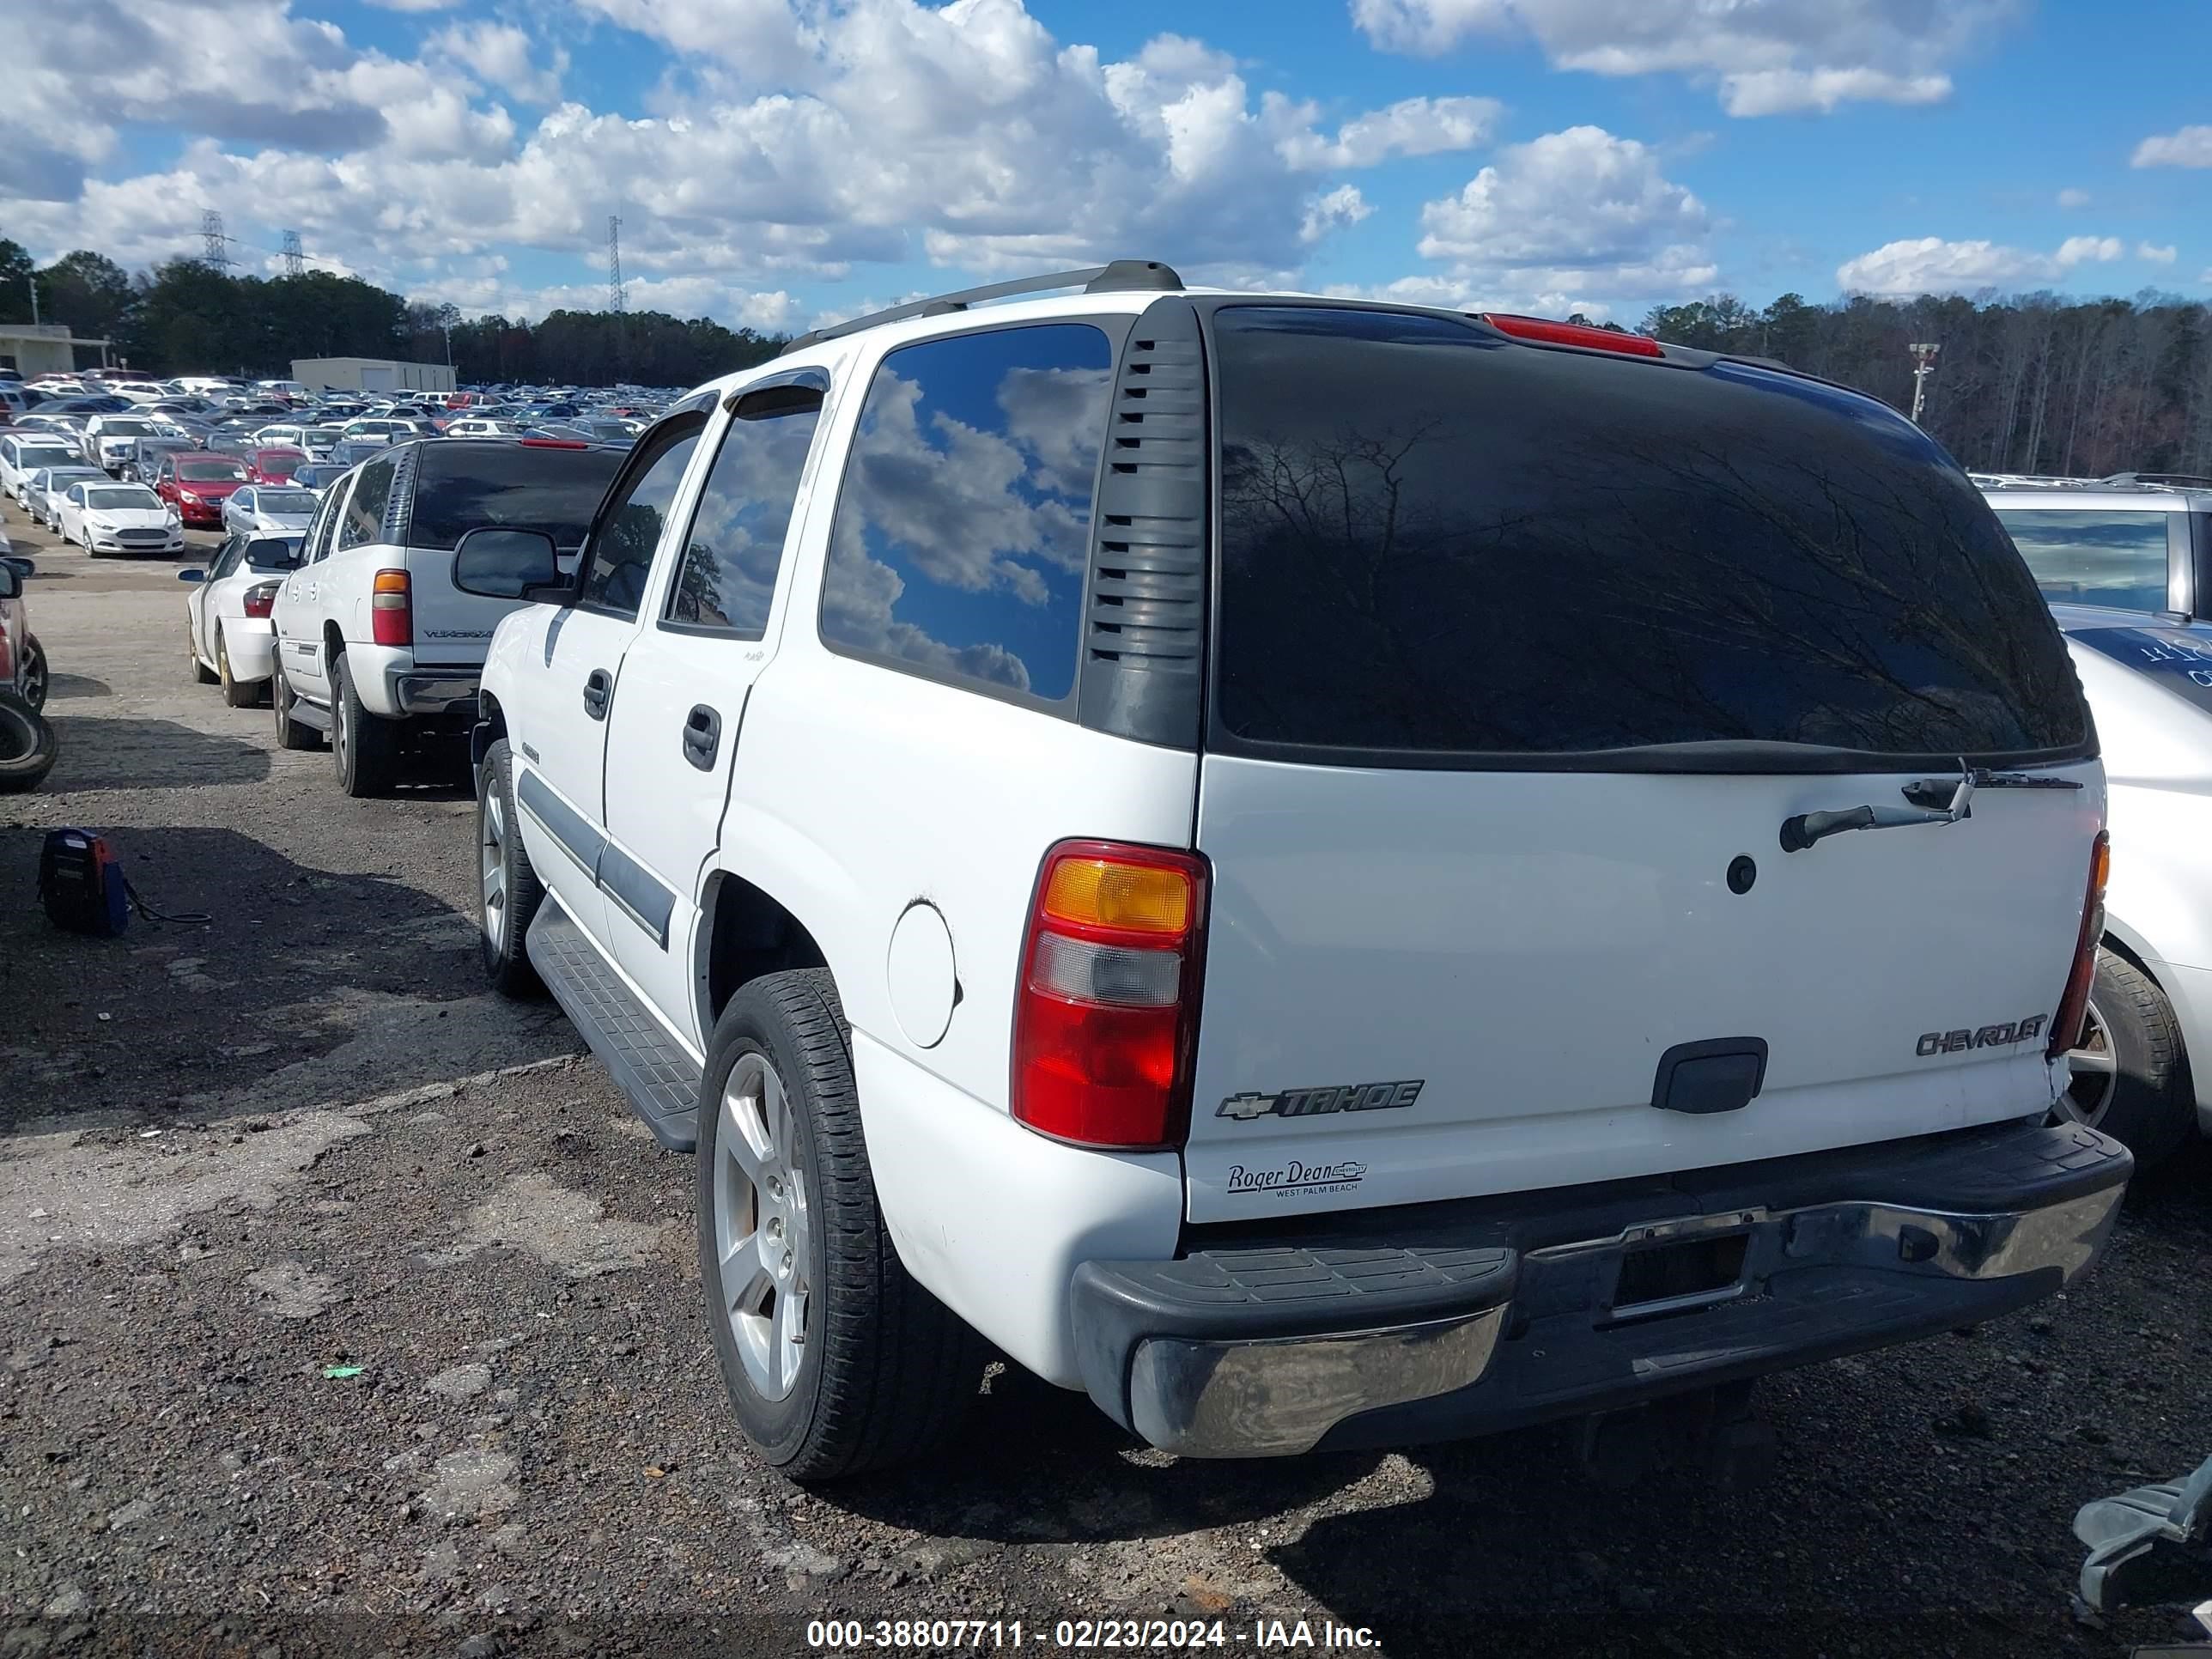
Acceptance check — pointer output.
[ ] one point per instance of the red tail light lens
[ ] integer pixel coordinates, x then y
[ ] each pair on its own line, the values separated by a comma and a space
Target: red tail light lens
261, 598
392, 609
1547, 333
2074, 1005
1106, 1018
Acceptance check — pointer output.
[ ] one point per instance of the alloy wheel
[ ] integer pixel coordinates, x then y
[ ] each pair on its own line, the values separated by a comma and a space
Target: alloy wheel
2093, 1073
491, 851
763, 1226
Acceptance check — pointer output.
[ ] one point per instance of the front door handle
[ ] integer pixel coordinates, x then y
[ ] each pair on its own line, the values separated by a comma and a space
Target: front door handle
702, 736
597, 690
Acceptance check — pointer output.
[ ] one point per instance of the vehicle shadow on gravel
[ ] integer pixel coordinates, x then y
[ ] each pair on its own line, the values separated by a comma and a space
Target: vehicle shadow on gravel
293, 962
99, 753
60, 687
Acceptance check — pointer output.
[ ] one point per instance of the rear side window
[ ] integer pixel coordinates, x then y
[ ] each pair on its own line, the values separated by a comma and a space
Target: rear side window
1441, 548
963, 527
735, 544
2109, 557
462, 487
364, 510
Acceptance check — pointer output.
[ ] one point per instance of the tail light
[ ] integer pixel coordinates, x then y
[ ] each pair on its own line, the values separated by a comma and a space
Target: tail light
261, 598
392, 609
1106, 1018
555, 443
1545, 332
2073, 1006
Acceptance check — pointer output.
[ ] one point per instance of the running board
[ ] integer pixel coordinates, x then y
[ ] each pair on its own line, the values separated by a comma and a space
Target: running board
657, 1077
304, 712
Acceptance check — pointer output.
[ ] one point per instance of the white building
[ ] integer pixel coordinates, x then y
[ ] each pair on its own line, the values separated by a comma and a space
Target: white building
371, 374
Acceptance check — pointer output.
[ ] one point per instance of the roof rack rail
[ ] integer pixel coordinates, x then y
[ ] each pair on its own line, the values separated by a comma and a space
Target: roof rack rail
2165, 480
1121, 275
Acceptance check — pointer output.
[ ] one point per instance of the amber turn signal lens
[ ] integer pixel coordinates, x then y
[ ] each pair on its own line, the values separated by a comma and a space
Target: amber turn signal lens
1133, 897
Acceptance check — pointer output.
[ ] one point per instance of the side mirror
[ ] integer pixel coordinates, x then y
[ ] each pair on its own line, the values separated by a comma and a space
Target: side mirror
194, 574
508, 564
11, 583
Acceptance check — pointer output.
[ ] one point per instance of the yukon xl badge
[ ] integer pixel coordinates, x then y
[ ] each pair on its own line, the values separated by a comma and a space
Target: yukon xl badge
1312, 1103
1989, 1036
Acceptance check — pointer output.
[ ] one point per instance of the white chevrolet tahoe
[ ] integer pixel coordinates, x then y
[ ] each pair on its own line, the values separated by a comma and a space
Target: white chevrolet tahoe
1326, 873
374, 642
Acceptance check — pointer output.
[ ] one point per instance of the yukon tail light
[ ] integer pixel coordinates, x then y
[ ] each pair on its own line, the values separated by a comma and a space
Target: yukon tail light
261, 598
1106, 1014
2073, 1006
1545, 332
392, 609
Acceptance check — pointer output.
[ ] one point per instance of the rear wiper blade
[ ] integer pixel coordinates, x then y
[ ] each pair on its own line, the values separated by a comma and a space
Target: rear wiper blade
1936, 792
1808, 830
1934, 800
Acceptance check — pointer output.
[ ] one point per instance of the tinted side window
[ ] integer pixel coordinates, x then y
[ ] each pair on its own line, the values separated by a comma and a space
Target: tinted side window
630, 531
324, 529
963, 530
735, 544
1436, 542
2103, 557
364, 509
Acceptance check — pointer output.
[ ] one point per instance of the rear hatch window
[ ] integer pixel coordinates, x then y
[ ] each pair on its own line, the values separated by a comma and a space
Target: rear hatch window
2111, 556
461, 487
1439, 549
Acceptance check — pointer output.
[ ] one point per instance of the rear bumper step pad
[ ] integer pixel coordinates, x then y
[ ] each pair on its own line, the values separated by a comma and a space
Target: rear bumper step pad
1278, 1347
657, 1077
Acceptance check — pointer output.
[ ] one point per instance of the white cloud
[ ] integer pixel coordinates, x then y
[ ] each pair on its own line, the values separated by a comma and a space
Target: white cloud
1931, 264
1574, 212
2070, 198
415, 5
500, 54
2157, 255
1412, 126
1771, 58
2190, 147
1340, 207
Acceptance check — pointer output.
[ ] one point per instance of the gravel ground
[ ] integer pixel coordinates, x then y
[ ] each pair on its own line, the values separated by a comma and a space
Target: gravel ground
346, 1308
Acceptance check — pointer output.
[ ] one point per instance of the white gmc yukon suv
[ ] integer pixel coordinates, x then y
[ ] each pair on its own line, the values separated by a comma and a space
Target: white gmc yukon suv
1325, 873
373, 642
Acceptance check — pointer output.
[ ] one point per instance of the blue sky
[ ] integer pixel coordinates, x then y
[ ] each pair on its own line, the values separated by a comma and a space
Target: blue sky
777, 161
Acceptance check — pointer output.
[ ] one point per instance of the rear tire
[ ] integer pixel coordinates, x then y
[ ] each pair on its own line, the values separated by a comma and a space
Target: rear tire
2131, 1078
28, 747
882, 1371
364, 748
290, 733
509, 891
238, 694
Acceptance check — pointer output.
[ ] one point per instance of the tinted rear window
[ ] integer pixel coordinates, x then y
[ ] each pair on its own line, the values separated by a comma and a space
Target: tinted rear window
2114, 557
462, 487
1443, 549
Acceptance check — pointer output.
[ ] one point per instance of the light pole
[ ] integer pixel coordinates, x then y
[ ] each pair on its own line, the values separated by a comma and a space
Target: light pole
32, 278
1923, 365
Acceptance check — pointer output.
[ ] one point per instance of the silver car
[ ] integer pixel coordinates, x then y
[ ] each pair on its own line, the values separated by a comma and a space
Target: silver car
268, 509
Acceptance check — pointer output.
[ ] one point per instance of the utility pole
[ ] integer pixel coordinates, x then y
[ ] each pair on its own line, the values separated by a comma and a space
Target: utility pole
1923, 365
217, 245
617, 294
295, 261
32, 277
448, 314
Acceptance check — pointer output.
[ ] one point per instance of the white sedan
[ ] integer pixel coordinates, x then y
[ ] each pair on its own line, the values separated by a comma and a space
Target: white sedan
226, 613
24, 453
479, 426
111, 517
268, 509
44, 493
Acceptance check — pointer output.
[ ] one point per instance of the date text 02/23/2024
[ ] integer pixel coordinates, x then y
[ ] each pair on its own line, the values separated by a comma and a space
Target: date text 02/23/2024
1084, 1634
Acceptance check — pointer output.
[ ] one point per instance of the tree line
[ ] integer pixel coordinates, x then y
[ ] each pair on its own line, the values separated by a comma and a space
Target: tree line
187, 316
2028, 383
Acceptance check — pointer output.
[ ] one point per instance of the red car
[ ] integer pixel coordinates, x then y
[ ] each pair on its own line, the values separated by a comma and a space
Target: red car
273, 466
198, 483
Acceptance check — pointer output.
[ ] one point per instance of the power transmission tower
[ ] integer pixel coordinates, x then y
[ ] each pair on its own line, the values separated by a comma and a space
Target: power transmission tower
1923, 365
618, 295
216, 244
295, 262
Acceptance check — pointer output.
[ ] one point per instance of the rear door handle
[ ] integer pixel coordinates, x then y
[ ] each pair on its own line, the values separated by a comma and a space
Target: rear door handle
702, 736
597, 690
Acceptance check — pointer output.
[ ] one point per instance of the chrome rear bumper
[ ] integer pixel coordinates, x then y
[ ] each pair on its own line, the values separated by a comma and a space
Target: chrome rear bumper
1271, 1351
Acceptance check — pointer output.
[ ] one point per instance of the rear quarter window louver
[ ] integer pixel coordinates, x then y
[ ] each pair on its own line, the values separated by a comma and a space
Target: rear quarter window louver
1144, 615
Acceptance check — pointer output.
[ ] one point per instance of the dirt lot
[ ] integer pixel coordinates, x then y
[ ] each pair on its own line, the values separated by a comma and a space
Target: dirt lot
345, 1309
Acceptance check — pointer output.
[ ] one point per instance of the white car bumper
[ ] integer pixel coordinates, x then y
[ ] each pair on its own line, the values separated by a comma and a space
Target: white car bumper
251, 646
171, 540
